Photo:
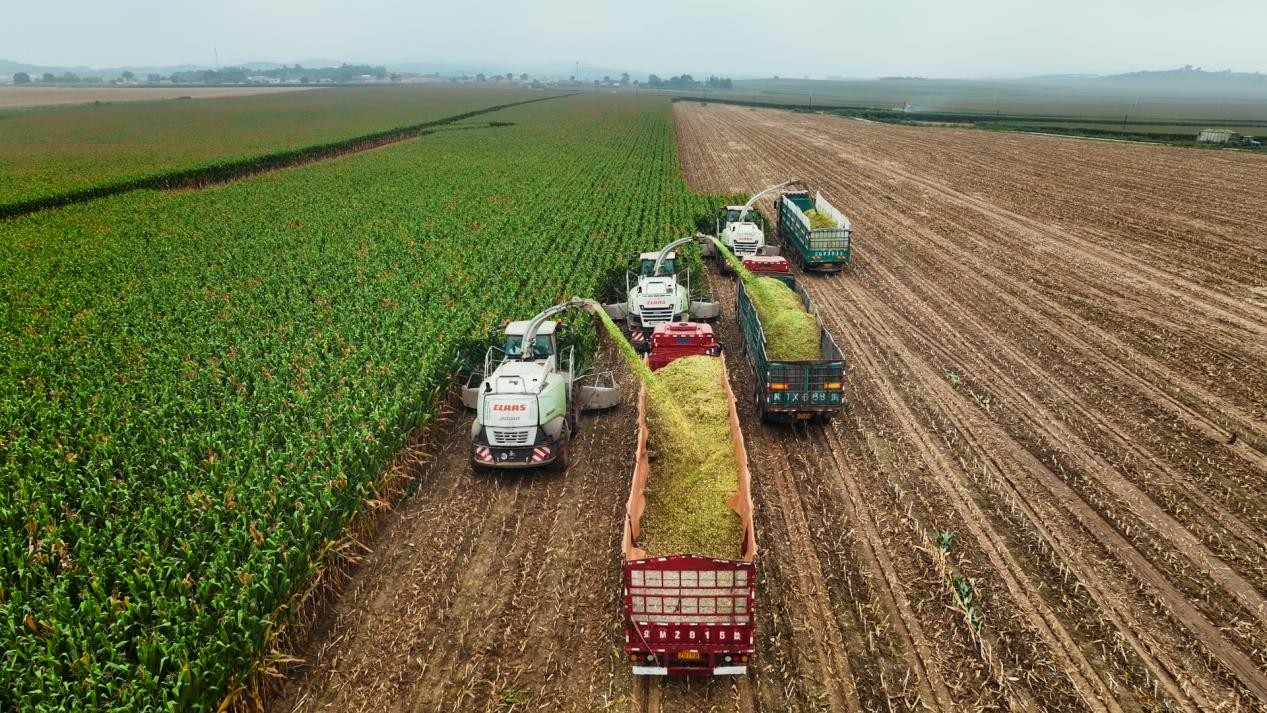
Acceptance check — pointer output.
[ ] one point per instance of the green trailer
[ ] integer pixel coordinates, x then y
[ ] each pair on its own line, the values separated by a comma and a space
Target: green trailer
788, 391
826, 249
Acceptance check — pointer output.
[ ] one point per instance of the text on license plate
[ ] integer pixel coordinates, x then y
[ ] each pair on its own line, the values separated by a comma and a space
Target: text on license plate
689, 655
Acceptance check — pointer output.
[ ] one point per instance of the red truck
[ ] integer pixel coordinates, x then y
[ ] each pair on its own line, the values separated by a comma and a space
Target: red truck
686, 614
770, 266
678, 339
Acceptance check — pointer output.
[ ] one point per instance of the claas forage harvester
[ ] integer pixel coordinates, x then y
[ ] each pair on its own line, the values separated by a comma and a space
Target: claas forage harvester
530, 394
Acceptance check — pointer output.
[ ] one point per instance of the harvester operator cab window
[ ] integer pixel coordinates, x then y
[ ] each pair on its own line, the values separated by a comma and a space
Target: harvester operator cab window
543, 347
666, 268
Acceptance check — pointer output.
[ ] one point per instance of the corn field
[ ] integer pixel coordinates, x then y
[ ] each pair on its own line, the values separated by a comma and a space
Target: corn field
197, 389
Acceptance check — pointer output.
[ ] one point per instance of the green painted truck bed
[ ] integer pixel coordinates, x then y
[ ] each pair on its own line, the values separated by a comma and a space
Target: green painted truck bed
796, 390
821, 249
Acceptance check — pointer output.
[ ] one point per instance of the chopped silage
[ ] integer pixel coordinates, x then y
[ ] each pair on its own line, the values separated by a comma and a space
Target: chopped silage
693, 468
820, 220
693, 471
791, 333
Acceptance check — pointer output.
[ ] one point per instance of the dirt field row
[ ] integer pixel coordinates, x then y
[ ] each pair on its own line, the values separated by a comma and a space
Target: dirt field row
1048, 355
13, 97
1051, 343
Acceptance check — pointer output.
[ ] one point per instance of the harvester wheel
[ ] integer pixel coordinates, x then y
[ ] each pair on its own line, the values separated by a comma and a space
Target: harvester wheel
560, 462
574, 416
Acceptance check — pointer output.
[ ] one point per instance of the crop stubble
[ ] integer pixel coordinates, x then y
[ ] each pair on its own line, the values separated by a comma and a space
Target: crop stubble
1050, 341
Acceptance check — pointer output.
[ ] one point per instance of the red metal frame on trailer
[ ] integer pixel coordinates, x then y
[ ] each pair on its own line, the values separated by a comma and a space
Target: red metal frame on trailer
680, 339
689, 615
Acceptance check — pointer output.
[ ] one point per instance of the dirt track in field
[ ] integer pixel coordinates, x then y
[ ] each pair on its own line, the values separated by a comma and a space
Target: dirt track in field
27, 96
1051, 343
486, 590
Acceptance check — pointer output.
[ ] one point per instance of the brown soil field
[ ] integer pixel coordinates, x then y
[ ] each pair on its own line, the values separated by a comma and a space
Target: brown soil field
26, 96
1050, 343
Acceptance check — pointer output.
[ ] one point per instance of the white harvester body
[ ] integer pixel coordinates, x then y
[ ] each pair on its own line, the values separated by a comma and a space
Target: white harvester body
528, 398
659, 293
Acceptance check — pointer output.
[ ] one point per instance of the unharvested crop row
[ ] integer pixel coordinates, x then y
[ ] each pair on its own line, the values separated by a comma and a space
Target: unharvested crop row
198, 389
61, 155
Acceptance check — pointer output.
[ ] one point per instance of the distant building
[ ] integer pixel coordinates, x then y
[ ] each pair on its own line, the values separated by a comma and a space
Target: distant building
1217, 136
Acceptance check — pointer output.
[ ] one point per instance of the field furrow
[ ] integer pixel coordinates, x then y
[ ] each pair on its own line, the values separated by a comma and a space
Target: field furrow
1034, 336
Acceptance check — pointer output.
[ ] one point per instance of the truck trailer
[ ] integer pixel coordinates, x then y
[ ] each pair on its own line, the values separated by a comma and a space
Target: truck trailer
827, 249
787, 391
686, 614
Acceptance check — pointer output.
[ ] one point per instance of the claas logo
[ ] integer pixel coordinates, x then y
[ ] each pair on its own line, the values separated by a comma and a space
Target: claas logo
509, 407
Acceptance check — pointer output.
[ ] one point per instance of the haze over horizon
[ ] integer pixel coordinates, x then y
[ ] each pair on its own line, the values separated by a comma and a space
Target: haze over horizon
974, 38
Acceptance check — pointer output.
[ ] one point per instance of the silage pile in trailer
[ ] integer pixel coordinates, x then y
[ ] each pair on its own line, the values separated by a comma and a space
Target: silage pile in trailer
791, 333
820, 220
693, 470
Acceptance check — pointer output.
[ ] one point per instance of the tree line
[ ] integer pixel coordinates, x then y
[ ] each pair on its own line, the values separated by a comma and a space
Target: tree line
227, 75
686, 81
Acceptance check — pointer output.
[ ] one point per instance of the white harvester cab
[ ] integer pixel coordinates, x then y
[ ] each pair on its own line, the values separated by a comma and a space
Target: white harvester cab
528, 398
741, 235
660, 293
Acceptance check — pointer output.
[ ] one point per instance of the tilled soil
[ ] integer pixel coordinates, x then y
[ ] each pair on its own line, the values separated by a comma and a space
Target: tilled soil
1051, 343
28, 96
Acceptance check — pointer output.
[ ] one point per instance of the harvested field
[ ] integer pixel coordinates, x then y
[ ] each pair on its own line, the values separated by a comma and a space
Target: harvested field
1046, 493
12, 97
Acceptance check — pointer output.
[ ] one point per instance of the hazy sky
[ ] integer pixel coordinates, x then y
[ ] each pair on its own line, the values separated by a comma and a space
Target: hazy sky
941, 38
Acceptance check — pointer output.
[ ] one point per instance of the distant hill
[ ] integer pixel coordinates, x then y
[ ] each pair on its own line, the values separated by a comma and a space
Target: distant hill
1190, 75
1190, 82
35, 70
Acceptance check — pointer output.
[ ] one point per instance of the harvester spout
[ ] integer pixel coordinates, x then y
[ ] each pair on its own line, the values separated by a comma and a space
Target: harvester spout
743, 212
664, 253
530, 334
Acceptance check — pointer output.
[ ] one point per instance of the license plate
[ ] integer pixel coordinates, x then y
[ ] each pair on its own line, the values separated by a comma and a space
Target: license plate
689, 655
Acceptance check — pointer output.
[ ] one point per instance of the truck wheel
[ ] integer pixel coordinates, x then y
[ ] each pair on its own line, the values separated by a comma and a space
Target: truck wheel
756, 394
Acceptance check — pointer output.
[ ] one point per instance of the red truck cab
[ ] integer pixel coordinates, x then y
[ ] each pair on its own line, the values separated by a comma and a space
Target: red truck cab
680, 339
770, 266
